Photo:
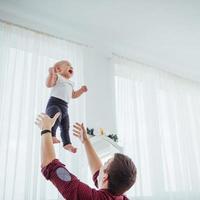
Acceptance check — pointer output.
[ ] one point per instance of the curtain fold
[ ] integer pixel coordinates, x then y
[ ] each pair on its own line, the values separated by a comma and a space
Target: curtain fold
158, 122
25, 57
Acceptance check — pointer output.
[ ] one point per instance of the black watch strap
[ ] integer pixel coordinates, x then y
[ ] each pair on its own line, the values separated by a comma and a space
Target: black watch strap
45, 131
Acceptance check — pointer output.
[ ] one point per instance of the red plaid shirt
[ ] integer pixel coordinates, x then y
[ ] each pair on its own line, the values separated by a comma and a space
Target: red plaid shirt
72, 188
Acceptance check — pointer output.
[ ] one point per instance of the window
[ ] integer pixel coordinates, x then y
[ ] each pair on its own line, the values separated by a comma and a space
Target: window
158, 122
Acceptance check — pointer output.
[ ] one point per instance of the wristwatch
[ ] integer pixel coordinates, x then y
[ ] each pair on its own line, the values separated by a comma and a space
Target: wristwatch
45, 131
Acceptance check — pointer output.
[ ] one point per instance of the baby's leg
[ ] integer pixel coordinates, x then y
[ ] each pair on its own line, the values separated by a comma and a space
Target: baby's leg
51, 111
64, 130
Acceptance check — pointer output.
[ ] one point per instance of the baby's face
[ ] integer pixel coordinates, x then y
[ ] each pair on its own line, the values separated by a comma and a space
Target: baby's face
65, 70
68, 71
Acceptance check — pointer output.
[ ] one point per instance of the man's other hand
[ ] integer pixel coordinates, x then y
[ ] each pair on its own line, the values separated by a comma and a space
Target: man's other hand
80, 132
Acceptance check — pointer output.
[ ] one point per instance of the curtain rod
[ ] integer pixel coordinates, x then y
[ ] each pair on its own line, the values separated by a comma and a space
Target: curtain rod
156, 67
44, 33
143, 63
131, 60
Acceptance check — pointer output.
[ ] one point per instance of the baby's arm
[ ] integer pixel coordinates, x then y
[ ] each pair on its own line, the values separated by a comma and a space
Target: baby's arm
78, 93
52, 78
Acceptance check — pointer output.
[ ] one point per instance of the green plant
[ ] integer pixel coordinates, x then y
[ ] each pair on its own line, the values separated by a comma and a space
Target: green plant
114, 137
90, 131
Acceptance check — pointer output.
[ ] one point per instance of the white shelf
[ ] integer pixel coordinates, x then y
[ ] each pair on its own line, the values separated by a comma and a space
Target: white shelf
105, 146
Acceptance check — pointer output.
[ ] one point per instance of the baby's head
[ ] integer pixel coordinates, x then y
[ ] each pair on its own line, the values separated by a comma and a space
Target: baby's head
64, 68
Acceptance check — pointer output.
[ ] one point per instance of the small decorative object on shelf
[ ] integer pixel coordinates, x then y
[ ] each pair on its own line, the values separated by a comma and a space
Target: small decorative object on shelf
90, 131
101, 131
114, 137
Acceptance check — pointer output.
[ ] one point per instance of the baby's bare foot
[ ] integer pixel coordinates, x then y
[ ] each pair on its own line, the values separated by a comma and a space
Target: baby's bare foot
70, 148
55, 140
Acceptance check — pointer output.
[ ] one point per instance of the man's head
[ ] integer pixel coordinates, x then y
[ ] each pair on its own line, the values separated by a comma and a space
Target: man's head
64, 68
117, 175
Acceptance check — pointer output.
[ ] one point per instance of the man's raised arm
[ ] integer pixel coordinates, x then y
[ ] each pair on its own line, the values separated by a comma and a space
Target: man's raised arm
45, 123
93, 159
67, 184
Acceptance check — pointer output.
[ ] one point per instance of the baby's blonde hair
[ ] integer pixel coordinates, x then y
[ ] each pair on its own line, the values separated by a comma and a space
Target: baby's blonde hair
62, 62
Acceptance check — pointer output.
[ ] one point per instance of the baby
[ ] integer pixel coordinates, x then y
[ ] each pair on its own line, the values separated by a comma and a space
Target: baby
61, 93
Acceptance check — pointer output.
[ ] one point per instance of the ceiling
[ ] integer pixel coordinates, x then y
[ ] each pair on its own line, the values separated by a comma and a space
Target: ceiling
162, 33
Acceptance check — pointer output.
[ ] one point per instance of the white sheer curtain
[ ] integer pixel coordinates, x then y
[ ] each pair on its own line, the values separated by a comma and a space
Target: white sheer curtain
158, 121
25, 57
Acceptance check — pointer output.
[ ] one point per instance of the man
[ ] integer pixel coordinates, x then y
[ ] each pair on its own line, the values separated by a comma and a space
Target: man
113, 178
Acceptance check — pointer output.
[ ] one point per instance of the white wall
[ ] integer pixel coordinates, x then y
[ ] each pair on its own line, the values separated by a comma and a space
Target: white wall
100, 102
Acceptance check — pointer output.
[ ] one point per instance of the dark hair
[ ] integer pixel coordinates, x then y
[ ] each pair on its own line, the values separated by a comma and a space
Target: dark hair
121, 174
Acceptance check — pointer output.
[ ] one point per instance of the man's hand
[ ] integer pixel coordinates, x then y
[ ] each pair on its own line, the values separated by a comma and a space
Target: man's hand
80, 132
84, 88
43, 121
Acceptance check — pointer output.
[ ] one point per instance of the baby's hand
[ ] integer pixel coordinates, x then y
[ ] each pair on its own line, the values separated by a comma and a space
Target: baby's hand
52, 70
84, 88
